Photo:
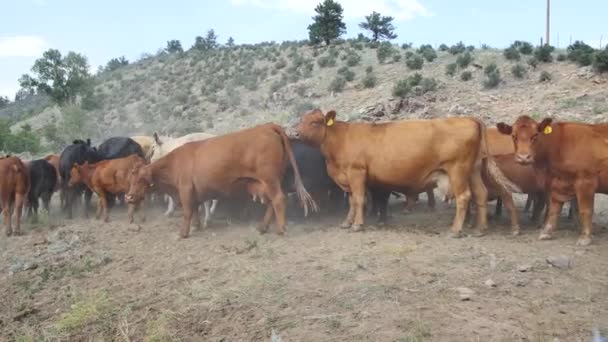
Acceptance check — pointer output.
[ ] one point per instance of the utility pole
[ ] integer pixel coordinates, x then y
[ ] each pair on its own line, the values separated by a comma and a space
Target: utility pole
548, 21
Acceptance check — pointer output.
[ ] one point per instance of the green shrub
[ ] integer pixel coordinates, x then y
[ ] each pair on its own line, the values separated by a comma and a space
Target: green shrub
406, 46
402, 88
511, 53
384, 51
470, 48
414, 62
348, 74
450, 69
428, 84
543, 53
326, 61
485, 46
369, 81
458, 48
466, 76
545, 76
353, 59
562, 57
443, 47
600, 60
492, 73
280, 64
396, 57
518, 71
580, 53
337, 84
525, 48
427, 52
414, 79
369, 69
464, 60
533, 62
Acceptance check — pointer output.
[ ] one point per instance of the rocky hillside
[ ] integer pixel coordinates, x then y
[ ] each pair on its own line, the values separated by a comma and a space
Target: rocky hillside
232, 88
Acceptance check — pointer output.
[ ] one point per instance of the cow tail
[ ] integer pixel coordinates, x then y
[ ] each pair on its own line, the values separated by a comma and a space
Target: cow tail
492, 169
305, 199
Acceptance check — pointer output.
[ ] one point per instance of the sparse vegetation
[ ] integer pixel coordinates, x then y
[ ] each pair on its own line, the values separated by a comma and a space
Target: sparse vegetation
545, 76
348, 74
511, 53
492, 79
385, 50
450, 69
544, 53
600, 60
464, 60
381, 27
402, 88
466, 76
337, 84
518, 71
580, 53
327, 23
427, 52
369, 80
457, 48
414, 62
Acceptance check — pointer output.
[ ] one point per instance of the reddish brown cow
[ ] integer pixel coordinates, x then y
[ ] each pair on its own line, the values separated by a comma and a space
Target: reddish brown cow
252, 160
14, 186
574, 156
525, 177
404, 156
108, 176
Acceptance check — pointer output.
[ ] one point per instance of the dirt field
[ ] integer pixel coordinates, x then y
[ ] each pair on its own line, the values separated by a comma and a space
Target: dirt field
87, 281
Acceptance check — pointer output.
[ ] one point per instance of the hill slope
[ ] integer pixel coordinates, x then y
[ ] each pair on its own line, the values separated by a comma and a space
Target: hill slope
229, 89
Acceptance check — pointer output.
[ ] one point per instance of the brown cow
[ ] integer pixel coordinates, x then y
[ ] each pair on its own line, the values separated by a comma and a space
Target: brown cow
252, 160
525, 177
14, 186
108, 176
404, 156
574, 156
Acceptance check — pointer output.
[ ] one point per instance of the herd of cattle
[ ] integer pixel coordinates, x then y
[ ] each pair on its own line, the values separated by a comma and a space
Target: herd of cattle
325, 162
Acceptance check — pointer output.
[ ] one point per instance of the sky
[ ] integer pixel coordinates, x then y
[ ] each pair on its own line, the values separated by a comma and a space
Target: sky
102, 30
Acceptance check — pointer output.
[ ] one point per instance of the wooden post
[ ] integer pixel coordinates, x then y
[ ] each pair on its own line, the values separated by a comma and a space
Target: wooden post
548, 21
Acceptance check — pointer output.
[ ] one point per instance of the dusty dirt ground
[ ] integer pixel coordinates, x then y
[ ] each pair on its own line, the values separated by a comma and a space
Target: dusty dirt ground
83, 280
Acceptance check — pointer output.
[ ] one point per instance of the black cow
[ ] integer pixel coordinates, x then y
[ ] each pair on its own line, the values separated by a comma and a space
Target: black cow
43, 178
119, 147
313, 171
77, 153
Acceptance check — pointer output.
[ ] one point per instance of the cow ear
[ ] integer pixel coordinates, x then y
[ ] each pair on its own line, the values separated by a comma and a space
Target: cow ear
545, 126
504, 128
157, 139
330, 117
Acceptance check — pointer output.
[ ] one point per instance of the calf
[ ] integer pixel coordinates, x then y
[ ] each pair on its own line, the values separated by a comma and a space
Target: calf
14, 186
404, 156
106, 177
574, 158
251, 160
43, 180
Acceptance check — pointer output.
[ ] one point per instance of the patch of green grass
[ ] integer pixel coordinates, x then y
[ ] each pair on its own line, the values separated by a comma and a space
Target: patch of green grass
93, 309
568, 103
417, 332
157, 330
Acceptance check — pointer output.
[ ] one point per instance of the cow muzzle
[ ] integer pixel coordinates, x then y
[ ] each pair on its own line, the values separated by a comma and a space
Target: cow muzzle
130, 198
524, 159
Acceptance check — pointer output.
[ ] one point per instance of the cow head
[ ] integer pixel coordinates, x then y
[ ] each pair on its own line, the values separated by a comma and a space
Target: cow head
140, 180
525, 133
76, 174
155, 148
313, 126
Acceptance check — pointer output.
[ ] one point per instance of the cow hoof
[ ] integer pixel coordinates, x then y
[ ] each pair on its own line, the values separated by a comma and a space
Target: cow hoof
479, 233
515, 232
583, 241
345, 225
356, 227
262, 229
455, 235
545, 236
281, 232
17, 233
183, 236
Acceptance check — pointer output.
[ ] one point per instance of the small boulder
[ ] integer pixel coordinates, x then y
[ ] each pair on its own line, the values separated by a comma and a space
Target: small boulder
465, 293
560, 261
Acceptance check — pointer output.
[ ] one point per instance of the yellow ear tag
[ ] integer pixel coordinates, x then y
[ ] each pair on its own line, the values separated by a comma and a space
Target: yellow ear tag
329, 122
548, 130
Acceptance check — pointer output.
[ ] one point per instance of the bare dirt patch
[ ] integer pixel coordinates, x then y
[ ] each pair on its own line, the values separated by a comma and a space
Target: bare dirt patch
85, 280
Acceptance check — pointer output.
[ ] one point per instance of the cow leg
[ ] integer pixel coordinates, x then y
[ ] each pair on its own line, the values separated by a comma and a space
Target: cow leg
103, 201
585, 196
209, 209
555, 208
508, 199
358, 188
430, 194
350, 217
187, 199
87, 201
529, 203
69, 202
538, 204
498, 211
462, 194
410, 201
480, 196
170, 206
196, 218
19, 200
7, 213
33, 209
130, 212
279, 205
381, 197
263, 227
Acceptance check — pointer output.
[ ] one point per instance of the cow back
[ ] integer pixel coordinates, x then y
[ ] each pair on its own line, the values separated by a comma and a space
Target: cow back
119, 147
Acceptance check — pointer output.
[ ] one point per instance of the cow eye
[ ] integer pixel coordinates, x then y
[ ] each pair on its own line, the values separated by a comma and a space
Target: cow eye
534, 137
